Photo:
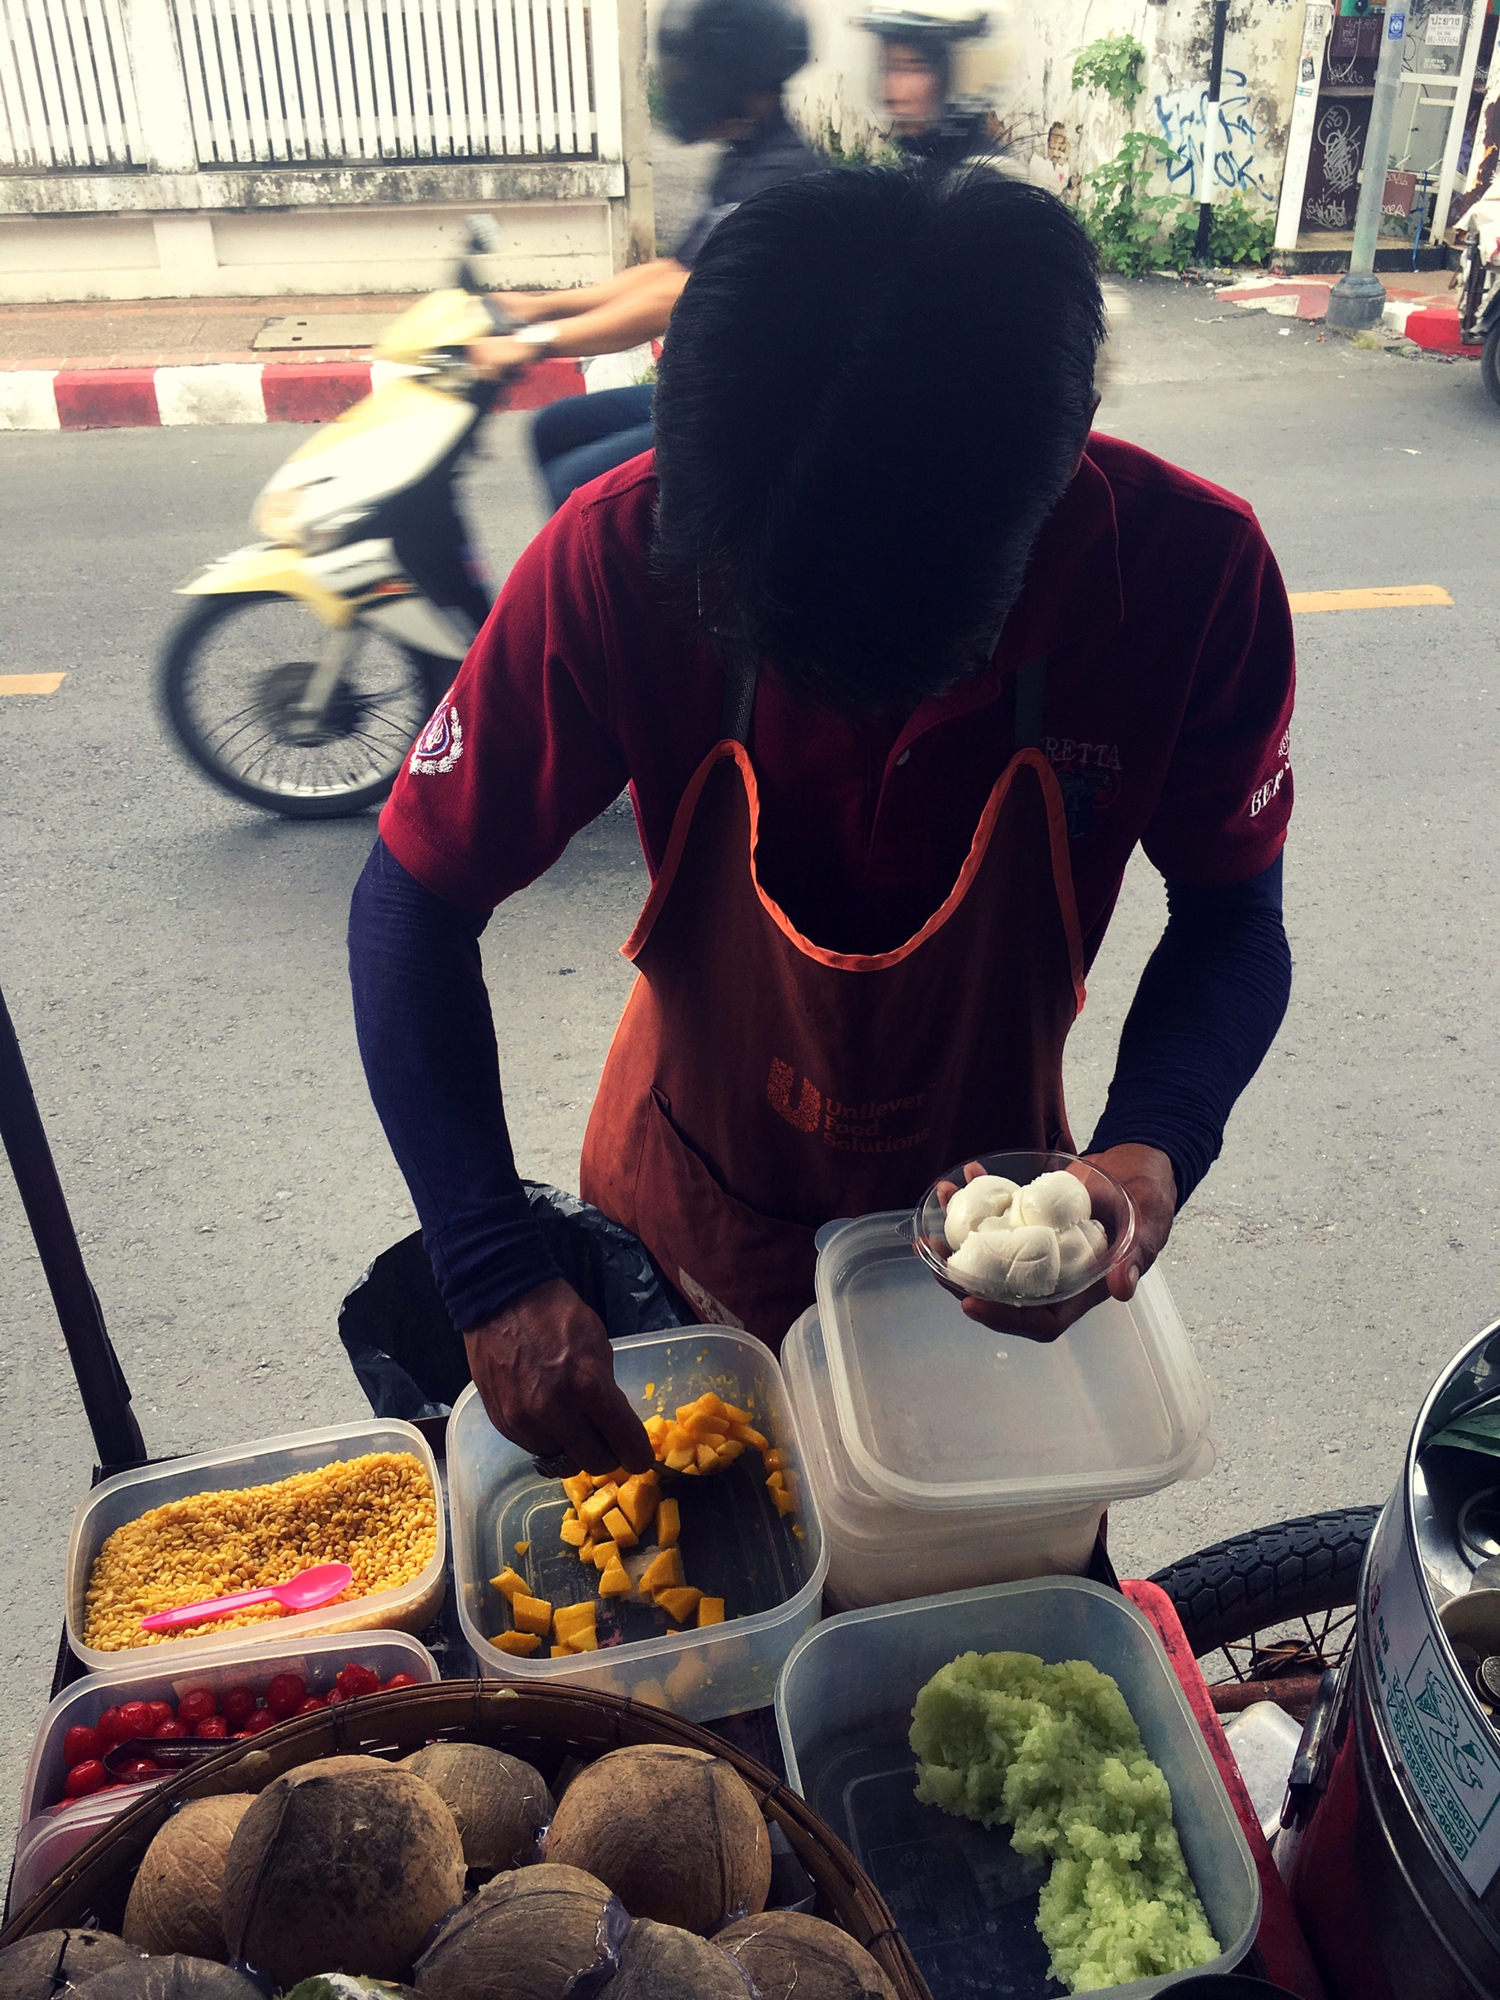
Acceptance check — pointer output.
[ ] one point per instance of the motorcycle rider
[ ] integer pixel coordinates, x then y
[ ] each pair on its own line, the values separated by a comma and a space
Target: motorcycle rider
937, 62
723, 64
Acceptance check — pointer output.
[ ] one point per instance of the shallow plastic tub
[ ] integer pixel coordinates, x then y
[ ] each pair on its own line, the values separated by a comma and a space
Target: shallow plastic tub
128, 1495
768, 1570
52, 1830
965, 1902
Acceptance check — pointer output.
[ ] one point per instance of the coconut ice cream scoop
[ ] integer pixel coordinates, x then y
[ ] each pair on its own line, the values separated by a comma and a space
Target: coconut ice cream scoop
1056, 1201
1078, 1247
989, 1197
999, 1262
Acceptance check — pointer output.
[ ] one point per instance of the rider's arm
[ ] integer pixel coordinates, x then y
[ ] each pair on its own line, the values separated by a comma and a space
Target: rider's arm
638, 312
529, 307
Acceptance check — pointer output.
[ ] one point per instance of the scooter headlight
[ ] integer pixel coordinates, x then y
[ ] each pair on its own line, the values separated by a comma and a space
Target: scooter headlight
333, 532
278, 516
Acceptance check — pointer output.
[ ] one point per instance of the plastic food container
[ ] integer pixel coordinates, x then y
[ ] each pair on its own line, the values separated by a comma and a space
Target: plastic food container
1108, 1205
965, 1901
878, 1552
130, 1494
734, 1543
162, 1675
939, 1413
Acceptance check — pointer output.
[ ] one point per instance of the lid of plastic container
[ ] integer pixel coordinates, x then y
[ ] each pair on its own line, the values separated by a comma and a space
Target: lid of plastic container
937, 1412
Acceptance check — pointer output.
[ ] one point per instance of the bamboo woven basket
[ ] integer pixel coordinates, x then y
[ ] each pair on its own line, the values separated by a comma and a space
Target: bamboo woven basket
546, 1725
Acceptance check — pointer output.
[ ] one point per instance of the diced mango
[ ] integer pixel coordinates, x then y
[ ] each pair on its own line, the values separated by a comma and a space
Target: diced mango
663, 1572
777, 1478
563, 1652
509, 1584
521, 1643
532, 1614
681, 1458
730, 1450
783, 1501
568, 1616
708, 1458
652, 1692
680, 1603
655, 1427
620, 1530
639, 1498
605, 1553
710, 1611
522, 1547
774, 1461
598, 1505
648, 1392
586, 1550
685, 1678
735, 1416
668, 1525
699, 1428
578, 1488
614, 1582
574, 1533
748, 1434
616, 1478
584, 1639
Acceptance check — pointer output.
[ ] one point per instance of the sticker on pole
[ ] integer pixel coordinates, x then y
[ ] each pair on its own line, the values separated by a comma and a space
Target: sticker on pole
1444, 31
1395, 28
1445, 1754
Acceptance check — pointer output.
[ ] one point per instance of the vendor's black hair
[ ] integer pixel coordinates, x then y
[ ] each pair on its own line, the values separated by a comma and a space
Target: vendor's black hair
873, 393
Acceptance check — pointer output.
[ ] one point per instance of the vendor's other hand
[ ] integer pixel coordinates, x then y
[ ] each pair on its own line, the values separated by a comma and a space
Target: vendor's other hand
525, 306
545, 1374
496, 355
1146, 1176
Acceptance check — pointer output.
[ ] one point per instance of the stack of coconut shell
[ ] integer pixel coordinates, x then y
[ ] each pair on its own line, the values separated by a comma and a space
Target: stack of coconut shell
448, 1871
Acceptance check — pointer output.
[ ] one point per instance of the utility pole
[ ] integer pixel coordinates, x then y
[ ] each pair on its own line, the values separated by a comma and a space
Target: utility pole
1358, 299
1210, 131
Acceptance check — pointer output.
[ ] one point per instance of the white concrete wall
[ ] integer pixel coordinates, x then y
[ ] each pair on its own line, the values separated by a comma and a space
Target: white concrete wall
293, 252
1065, 134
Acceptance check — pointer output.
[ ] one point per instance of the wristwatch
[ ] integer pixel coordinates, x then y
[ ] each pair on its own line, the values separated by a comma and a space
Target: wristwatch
540, 334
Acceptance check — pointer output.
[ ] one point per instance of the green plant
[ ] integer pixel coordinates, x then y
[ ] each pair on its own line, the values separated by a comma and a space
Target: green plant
1238, 234
860, 152
656, 103
1113, 64
1129, 225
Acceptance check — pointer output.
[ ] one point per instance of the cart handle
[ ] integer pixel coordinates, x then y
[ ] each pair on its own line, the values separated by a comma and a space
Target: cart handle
101, 1381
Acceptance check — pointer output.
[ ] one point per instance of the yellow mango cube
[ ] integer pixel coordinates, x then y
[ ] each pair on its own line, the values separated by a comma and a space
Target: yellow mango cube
620, 1530
509, 1585
680, 1603
605, 1553
563, 1652
663, 1572
532, 1614
584, 1639
639, 1498
521, 1643
598, 1505
578, 1488
710, 1611
614, 1582
680, 1458
708, 1458
668, 1525
574, 1533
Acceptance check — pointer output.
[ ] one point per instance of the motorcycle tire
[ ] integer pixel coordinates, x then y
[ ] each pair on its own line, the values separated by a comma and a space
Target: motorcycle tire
421, 680
1269, 1577
1489, 361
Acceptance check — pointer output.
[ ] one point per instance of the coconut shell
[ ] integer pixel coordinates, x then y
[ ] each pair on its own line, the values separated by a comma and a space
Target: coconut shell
174, 1900
37, 1967
660, 1962
498, 1802
173, 1978
350, 1986
526, 1936
675, 1833
343, 1865
787, 1954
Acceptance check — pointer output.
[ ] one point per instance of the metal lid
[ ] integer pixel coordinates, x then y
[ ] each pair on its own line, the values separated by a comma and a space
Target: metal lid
938, 1413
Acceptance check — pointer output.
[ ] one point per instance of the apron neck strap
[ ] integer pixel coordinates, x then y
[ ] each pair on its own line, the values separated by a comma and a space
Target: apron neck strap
1031, 691
741, 673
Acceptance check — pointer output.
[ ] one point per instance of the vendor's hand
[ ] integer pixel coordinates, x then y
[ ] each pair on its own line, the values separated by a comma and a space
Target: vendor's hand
497, 355
1146, 1176
545, 1374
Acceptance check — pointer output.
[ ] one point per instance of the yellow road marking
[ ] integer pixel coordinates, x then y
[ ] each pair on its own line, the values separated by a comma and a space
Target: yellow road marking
1384, 597
31, 683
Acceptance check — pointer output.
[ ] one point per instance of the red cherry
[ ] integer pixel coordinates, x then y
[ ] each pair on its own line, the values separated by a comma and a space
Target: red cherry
286, 1694
171, 1732
262, 1719
197, 1706
136, 1719
356, 1680
139, 1767
399, 1681
313, 1704
238, 1706
212, 1729
82, 1746
85, 1778
111, 1729
162, 1711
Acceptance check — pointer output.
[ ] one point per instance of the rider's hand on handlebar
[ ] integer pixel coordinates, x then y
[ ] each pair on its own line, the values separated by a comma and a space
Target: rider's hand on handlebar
497, 355
526, 306
546, 1377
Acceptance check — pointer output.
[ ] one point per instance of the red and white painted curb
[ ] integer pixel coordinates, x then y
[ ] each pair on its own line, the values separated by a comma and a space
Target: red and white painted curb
1424, 317
228, 392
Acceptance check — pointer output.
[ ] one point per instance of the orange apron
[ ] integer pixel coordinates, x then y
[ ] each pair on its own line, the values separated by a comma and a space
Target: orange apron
759, 1085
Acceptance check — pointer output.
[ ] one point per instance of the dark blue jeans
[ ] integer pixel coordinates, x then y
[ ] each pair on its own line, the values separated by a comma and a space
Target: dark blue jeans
580, 437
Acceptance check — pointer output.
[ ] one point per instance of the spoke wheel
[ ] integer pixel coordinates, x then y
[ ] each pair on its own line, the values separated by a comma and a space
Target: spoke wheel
1489, 361
1269, 1612
233, 679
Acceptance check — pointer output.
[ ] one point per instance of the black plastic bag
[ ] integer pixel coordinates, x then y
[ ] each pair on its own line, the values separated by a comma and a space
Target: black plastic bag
407, 1353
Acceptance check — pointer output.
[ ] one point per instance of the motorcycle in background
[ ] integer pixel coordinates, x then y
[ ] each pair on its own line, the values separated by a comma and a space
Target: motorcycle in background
309, 660
1479, 289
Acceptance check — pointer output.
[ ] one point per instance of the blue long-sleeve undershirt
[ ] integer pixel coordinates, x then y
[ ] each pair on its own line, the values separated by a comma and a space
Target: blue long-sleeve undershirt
1207, 1009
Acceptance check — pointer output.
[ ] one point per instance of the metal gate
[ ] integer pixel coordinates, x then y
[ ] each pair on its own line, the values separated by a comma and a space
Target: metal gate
67, 93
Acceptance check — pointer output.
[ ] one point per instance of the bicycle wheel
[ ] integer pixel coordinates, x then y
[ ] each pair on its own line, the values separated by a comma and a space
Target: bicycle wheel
1274, 1605
1489, 361
232, 675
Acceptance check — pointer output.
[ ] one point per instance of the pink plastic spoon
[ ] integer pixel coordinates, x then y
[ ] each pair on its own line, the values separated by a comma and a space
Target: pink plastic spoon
306, 1592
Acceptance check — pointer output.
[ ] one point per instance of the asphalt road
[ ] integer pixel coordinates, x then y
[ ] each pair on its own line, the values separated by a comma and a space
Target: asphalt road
174, 963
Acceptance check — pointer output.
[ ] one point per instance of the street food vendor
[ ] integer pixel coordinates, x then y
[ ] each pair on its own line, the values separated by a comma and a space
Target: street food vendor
900, 661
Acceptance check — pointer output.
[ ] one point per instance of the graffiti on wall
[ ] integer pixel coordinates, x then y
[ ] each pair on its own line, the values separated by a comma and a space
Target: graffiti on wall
1223, 157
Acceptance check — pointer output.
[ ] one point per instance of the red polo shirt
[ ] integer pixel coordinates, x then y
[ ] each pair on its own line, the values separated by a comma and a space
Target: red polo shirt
1167, 712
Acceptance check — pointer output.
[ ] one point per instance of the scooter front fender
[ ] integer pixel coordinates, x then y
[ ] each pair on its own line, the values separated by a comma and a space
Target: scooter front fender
263, 566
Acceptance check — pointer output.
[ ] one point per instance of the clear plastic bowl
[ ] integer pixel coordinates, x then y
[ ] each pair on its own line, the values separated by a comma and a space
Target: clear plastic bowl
735, 1545
409, 1608
1109, 1205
